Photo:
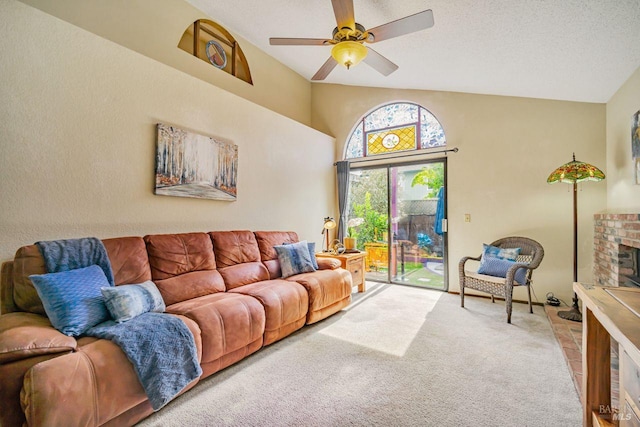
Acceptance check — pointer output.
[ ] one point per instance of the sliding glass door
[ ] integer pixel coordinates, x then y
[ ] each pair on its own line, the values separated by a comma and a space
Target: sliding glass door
417, 218
397, 213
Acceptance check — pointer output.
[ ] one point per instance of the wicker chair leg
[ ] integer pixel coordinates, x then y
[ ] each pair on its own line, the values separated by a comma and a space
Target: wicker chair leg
462, 295
529, 294
493, 298
508, 299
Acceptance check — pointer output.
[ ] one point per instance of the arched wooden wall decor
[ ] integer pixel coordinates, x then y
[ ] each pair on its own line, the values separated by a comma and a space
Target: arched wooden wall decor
213, 44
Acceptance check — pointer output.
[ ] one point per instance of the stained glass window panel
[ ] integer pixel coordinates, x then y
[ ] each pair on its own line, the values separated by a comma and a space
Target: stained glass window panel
355, 144
391, 115
431, 132
391, 140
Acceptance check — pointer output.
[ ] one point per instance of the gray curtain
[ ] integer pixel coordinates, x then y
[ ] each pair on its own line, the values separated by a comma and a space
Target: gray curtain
343, 188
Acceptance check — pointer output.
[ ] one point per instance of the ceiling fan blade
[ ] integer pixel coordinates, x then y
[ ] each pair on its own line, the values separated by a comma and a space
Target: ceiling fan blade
406, 25
326, 68
345, 16
281, 41
379, 63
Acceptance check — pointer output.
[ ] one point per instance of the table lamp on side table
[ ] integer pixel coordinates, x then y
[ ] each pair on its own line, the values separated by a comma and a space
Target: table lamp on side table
329, 224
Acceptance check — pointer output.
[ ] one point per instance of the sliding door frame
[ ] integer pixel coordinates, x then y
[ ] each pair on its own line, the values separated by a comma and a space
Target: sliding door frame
445, 235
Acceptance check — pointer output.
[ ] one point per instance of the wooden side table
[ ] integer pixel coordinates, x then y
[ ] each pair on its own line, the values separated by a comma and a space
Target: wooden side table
354, 263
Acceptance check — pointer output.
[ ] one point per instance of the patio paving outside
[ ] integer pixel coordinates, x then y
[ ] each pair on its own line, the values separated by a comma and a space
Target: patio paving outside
415, 275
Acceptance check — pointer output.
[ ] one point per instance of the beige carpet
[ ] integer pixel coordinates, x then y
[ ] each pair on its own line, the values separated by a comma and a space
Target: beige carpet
398, 356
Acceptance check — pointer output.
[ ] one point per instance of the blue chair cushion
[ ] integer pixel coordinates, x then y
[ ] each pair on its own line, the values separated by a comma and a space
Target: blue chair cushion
497, 267
72, 299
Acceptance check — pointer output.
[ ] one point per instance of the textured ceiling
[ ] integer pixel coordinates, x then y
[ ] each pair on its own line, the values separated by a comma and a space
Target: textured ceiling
580, 50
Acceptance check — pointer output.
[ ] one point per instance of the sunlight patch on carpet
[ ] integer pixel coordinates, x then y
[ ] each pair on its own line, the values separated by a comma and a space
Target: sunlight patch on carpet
392, 321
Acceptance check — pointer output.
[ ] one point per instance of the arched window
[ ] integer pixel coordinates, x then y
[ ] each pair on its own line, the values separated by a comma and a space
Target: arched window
214, 45
392, 128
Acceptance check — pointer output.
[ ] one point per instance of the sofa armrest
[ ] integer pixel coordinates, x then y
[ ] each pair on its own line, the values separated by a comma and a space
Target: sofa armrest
24, 335
328, 263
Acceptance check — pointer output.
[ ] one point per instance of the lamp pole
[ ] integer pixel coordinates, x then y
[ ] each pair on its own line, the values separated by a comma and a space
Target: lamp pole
574, 313
575, 235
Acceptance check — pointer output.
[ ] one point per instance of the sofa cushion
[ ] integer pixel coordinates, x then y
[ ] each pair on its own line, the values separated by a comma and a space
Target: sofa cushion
234, 247
183, 266
24, 335
238, 258
227, 321
266, 241
190, 285
294, 258
329, 291
244, 274
72, 298
285, 303
129, 260
172, 255
125, 302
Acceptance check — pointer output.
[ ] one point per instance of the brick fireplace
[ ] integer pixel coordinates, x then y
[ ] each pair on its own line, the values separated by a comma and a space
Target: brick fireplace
616, 244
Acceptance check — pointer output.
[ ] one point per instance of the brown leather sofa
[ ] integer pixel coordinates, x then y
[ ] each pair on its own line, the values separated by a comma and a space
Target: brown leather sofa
226, 286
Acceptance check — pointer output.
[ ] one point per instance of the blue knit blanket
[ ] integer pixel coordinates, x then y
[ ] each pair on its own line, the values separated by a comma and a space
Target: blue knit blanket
162, 350
65, 255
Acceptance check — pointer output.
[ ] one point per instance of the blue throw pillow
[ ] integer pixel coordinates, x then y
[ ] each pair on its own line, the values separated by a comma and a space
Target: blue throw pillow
497, 267
128, 301
503, 253
72, 299
312, 253
294, 258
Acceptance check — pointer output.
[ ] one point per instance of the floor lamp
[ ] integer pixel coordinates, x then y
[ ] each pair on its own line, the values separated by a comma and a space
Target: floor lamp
573, 173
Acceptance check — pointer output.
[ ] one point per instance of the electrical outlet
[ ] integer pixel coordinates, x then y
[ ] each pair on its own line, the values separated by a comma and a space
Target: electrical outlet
467, 217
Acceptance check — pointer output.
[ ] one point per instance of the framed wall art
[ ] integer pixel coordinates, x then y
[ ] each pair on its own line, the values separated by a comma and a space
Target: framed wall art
193, 165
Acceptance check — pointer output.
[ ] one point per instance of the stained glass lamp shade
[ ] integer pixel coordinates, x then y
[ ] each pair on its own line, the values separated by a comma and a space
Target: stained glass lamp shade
573, 173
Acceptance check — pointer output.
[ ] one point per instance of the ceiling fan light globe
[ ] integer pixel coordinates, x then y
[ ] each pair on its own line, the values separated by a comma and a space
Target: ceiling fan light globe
348, 53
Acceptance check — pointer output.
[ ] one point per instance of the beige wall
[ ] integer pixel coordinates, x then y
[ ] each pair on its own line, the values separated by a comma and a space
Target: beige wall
508, 147
623, 194
77, 148
154, 28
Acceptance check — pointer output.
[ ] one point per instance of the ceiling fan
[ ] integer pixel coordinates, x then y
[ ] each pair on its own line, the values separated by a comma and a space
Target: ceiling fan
349, 37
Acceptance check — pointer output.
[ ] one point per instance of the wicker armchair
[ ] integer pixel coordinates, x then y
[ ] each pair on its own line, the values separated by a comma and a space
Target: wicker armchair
531, 255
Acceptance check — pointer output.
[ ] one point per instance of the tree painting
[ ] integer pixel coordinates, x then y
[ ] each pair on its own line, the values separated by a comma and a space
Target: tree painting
192, 165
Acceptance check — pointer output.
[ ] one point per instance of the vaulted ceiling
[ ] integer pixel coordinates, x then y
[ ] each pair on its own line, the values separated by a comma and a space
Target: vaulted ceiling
579, 50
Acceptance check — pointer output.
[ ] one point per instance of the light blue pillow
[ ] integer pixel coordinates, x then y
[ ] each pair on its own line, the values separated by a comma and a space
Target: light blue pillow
497, 267
125, 302
503, 253
294, 258
312, 253
72, 299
